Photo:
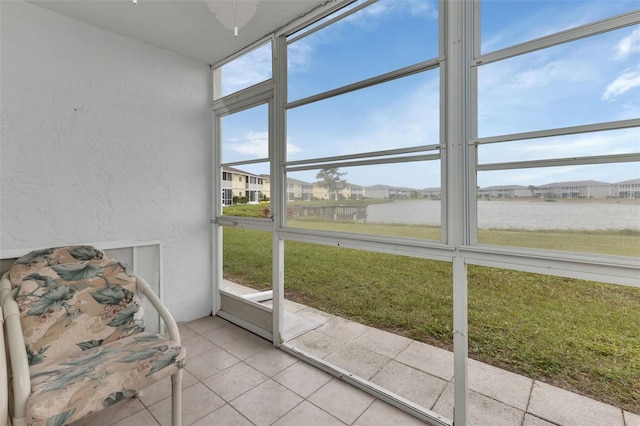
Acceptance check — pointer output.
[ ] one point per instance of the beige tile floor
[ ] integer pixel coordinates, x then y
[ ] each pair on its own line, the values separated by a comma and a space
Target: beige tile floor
234, 377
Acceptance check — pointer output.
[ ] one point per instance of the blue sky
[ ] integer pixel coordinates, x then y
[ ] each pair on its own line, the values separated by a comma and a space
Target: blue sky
584, 82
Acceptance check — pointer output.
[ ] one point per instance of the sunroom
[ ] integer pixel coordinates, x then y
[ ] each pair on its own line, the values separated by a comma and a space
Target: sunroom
359, 212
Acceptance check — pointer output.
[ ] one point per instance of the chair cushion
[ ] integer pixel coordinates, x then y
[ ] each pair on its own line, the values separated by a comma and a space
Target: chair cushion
70, 387
72, 299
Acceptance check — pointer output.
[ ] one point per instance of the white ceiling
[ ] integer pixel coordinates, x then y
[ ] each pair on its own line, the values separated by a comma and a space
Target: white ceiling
199, 29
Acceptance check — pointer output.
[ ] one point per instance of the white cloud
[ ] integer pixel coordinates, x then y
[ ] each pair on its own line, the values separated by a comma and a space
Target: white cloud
256, 144
625, 82
247, 70
299, 55
628, 45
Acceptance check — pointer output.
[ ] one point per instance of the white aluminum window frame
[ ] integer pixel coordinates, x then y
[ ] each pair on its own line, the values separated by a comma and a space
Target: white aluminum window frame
460, 57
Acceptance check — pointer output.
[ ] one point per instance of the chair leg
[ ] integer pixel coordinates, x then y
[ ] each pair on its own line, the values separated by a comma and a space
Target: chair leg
176, 399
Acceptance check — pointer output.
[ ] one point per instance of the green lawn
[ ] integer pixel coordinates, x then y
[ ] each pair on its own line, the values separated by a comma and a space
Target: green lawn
583, 336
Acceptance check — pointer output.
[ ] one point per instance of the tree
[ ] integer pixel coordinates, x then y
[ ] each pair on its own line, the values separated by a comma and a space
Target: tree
331, 179
532, 188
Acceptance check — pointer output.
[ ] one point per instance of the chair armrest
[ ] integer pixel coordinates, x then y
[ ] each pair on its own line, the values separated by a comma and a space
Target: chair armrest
17, 352
166, 316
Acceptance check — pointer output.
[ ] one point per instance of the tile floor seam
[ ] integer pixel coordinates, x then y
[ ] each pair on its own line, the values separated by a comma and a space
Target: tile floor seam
440, 395
320, 408
364, 411
248, 390
290, 410
526, 410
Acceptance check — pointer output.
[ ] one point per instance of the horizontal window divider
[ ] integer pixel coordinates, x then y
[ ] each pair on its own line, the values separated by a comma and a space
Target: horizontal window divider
383, 78
240, 163
593, 267
265, 224
425, 249
571, 161
561, 131
331, 21
422, 148
255, 95
407, 159
609, 24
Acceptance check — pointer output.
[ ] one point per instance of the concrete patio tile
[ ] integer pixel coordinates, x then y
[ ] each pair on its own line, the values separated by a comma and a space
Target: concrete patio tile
295, 325
234, 381
631, 419
247, 346
141, 418
197, 402
271, 361
302, 378
198, 345
530, 420
316, 343
483, 411
430, 359
566, 408
382, 342
381, 413
162, 389
266, 403
225, 334
341, 400
414, 385
224, 416
358, 361
342, 329
205, 324
315, 315
499, 384
210, 363
308, 414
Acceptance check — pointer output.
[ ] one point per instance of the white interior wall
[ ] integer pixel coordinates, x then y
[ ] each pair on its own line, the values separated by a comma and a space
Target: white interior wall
103, 139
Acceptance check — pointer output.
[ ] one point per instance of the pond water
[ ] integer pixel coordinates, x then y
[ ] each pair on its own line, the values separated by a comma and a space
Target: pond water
518, 214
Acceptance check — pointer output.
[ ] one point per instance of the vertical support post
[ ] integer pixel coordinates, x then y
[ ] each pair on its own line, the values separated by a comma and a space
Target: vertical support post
458, 34
278, 156
216, 193
460, 343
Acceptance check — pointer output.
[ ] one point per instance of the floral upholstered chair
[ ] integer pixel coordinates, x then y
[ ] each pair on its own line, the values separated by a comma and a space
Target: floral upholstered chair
76, 338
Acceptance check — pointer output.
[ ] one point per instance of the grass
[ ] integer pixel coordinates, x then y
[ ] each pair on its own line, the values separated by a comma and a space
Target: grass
579, 335
624, 242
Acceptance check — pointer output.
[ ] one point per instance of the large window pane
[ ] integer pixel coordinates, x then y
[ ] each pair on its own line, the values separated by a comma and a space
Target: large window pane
247, 70
579, 335
382, 317
245, 134
399, 199
568, 208
506, 23
398, 114
383, 37
583, 82
625, 141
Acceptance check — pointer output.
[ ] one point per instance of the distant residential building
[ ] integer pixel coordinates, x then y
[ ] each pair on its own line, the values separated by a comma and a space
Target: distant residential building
430, 193
353, 192
504, 191
388, 192
626, 189
575, 189
238, 183
298, 190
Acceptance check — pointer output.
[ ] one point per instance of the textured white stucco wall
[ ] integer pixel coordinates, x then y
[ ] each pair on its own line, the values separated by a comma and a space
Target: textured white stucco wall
105, 139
